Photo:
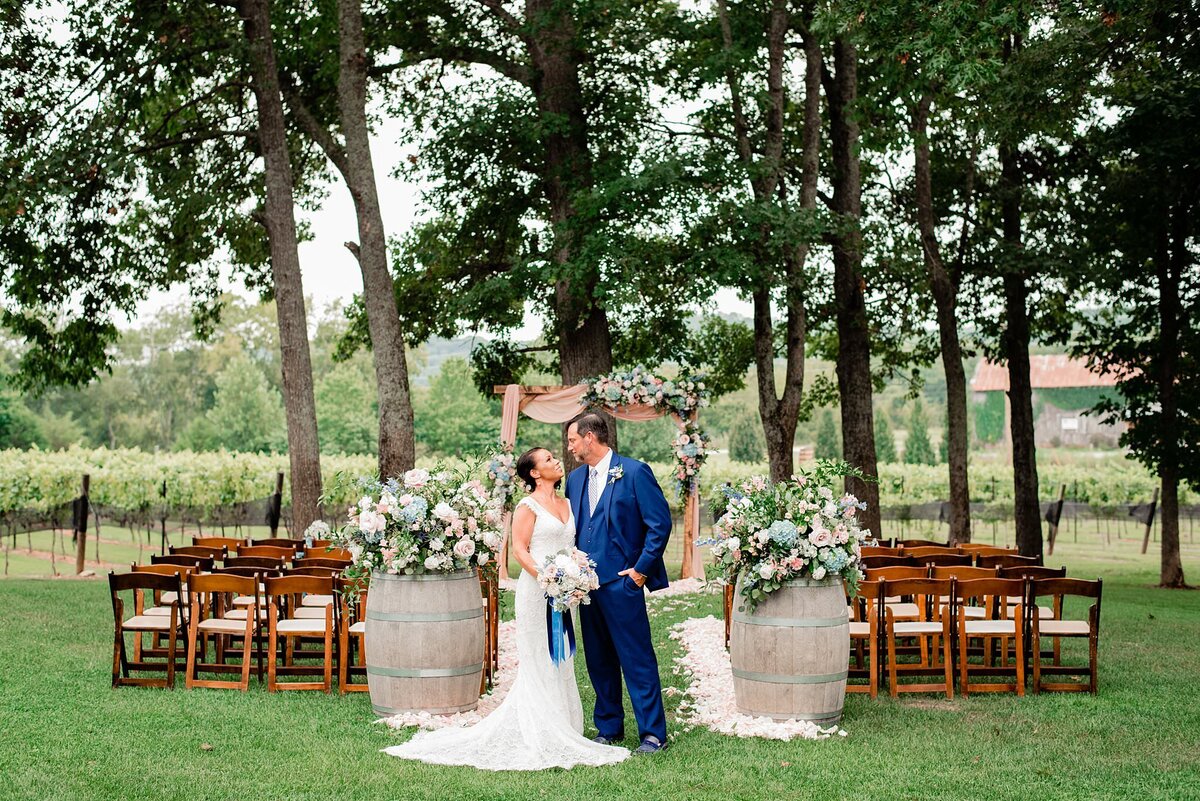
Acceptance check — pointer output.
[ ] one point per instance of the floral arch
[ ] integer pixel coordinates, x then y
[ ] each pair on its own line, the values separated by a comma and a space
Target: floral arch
637, 395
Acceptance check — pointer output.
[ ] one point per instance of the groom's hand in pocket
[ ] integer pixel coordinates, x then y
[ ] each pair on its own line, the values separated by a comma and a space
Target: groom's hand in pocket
636, 577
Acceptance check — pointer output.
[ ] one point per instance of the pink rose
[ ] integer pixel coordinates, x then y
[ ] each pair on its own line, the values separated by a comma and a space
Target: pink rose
464, 548
821, 537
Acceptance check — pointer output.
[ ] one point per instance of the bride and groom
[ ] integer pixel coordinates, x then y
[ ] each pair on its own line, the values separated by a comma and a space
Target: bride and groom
615, 511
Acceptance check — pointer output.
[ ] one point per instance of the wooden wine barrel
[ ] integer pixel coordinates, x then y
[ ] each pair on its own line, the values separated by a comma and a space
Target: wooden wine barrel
424, 642
790, 655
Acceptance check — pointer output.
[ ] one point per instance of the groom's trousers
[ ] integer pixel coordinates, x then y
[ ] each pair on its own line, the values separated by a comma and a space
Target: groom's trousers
616, 641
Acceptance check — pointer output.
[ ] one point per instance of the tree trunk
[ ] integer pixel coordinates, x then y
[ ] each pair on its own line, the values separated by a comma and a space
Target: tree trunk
1169, 269
849, 288
303, 448
396, 446
584, 339
1026, 512
945, 298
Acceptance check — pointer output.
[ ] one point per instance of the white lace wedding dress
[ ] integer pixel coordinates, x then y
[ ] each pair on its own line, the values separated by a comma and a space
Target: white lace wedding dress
540, 723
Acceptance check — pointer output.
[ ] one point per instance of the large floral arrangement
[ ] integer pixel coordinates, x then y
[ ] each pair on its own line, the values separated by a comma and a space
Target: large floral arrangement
771, 533
425, 522
683, 396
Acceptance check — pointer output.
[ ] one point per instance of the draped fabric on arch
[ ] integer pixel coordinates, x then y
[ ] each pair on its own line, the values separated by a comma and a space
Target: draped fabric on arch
563, 404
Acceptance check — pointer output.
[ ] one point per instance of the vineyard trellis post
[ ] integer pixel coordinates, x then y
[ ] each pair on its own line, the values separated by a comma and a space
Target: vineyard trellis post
79, 519
1054, 516
275, 505
1150, 520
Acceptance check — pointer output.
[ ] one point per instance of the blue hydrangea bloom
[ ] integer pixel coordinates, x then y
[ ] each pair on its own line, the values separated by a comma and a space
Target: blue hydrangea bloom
414, 511
783, 532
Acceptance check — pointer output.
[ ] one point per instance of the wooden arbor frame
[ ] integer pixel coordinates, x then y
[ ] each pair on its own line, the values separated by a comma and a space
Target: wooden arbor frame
550, 404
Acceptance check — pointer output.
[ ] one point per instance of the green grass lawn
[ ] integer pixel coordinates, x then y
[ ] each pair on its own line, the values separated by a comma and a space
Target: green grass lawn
67, 735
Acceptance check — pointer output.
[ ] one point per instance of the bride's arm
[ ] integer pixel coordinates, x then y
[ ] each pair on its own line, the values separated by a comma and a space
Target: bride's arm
522, 535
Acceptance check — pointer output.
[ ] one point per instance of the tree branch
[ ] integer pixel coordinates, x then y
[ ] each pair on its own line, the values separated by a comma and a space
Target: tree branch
313, 129
466, 54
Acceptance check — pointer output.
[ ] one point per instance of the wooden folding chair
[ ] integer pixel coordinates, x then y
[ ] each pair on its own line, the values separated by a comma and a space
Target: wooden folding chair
352, 629
228, 543
947, 559
159, 604
214, 553
278, 542
337, 564
328, 552
1057, 629
919, 552
212, 601
879, 550
921, 544
1005, 560
173, 625
203, 564
869, 562
929, 630
983, 550
266, 552
284, 596
992, 595
865, 611
262, 562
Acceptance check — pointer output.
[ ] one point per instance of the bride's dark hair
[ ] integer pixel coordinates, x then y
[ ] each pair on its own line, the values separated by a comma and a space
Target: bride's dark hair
526, 464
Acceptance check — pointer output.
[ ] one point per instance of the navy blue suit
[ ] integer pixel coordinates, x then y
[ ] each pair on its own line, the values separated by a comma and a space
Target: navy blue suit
630, 528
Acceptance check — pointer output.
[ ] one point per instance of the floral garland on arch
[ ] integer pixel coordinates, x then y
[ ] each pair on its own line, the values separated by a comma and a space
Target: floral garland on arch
683, 396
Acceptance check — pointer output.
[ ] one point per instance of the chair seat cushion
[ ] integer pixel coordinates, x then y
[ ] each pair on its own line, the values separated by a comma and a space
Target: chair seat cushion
917, 627
359, 628
302, 626
971, 612
1068, 628
240, 614
857, 629
317, 600
158, 611
148, 623
223, 625
310, 613
991, 627
168, 597
248, 600
1044, 612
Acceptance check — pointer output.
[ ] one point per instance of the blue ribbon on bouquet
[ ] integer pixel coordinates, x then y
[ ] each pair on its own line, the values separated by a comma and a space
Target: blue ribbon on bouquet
559, 624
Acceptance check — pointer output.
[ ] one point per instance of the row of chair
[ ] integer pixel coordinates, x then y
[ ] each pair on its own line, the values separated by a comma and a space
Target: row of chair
238, 608
944, 616
973, 555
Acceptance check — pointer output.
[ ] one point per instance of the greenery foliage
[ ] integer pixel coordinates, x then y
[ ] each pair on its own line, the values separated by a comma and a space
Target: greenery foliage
828, 446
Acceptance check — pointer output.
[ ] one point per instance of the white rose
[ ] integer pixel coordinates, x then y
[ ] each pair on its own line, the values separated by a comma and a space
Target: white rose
766, 570
464, 548
482, 558
436, 545
819, 572
431, 563
445, 512
733, 543
416, 478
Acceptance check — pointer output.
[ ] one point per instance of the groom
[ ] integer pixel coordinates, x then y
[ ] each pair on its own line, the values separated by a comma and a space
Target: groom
623, 523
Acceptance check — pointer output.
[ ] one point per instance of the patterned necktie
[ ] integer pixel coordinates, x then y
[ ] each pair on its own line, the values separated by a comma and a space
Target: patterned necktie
594, 490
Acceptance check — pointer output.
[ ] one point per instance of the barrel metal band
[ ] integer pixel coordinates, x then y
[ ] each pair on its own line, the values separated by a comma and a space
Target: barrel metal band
791, 622
424, 617
774, 678
424, 673
812, 582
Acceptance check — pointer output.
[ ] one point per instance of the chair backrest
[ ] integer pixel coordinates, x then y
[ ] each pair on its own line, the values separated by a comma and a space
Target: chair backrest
978, 548
269, 551
1032, 572
945, 558
992, 593
1005, 560
183, 571
961, 572
223, 583
340, 564
199, 562
893, 572
919, 589
877, 550
212, 552
327, 552
1066, 586
314, 570
921, 543
298, 585
144, 580
261, 572
321, 543
219, 542
872, 562
278, 542
255, 561
921, 551
868, 599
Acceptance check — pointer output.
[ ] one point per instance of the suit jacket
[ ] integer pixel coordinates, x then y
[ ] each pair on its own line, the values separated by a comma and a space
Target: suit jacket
631, 525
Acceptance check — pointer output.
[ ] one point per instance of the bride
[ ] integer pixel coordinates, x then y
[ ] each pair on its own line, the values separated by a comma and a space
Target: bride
540, 723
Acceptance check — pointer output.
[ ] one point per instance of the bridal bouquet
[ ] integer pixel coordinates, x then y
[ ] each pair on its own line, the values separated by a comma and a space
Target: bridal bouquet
771, 533
424, 522
567, 577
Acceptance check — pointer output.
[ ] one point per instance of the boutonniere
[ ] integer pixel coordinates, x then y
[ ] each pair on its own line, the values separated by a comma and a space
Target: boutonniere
616, 473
